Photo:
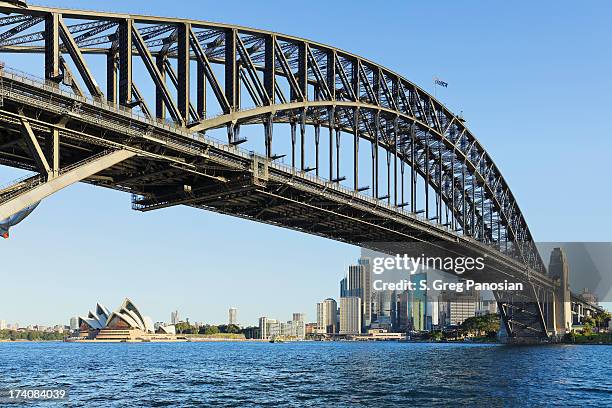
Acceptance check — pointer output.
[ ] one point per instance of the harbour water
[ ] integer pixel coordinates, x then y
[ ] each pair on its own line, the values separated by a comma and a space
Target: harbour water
312, 374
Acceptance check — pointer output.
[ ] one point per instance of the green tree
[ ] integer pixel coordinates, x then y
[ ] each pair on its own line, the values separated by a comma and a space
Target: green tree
184, 328
602, 319
587, 325
208, 330
481, 325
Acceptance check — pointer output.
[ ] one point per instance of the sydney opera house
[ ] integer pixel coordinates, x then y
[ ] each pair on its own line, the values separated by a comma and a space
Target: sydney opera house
126, 323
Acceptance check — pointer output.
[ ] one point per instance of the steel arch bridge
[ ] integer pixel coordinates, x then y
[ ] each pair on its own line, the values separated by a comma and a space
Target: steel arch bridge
434, 183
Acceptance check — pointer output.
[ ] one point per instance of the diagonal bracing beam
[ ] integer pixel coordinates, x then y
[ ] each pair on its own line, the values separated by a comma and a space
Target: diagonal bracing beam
35, 149
210, 74
156, 75
78, 59
36, 194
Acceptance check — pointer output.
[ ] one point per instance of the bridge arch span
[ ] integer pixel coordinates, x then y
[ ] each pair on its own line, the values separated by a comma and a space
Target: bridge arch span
287, 79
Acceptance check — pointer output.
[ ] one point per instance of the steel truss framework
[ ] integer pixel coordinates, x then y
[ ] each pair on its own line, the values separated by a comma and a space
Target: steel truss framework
91, 135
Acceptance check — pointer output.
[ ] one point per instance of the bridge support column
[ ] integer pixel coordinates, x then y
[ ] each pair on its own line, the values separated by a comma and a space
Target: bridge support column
562, 311
125, 62
303, 140
52, 54
356, 151
111, 75
293, 137
317, 137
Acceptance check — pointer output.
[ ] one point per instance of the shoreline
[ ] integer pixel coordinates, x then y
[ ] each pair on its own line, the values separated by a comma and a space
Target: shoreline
225, 340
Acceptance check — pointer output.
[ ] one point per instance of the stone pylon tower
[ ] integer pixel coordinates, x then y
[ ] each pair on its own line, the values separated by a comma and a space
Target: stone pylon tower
558, 269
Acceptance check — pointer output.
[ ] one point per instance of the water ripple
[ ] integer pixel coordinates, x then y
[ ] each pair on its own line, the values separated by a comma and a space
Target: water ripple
310, 374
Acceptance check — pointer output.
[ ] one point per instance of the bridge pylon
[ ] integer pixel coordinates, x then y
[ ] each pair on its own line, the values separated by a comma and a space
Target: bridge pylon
561, 314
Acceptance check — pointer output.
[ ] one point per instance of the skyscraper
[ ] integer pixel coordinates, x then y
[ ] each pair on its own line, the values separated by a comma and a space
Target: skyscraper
299, 325
412, 310
269, 328
2, 324
366, 303
326, 315
233, 316
74, 323
358, 283
263, 326
455, 307
350, 315
174, 317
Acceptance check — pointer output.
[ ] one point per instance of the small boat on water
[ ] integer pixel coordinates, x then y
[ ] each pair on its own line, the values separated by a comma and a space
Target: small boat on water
277, 340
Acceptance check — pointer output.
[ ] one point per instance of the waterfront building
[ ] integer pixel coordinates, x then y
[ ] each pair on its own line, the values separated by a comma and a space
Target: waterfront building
233, 316
263, 324
252, 332
269, 328
350, 315
3, 325
311, 328
298, 326
126, 323
327, 316
455, 307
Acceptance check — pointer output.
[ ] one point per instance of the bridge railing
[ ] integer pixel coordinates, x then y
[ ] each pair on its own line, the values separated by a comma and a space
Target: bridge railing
19, 186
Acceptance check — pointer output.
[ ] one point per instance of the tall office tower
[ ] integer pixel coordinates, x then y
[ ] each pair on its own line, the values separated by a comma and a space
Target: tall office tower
351, 285
383, 300
366, 304
455, 307
233, 316
263, 327
357, 283
326, 316
432, 314
350, 315
174, 317
395, 306
413, 306
298, 324
2, 324
74, 323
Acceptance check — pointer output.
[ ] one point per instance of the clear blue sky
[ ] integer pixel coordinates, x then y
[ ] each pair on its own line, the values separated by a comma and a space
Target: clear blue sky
534, 80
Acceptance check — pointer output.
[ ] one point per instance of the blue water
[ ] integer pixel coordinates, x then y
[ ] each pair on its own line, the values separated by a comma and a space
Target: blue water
312, 374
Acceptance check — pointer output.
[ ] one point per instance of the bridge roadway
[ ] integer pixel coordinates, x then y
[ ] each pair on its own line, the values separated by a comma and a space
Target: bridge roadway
67, 136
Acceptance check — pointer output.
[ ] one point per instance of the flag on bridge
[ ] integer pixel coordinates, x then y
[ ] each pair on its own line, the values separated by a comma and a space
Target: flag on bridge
438, 81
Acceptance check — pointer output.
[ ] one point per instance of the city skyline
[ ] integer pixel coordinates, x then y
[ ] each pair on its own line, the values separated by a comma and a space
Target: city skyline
189, 276
360, 307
